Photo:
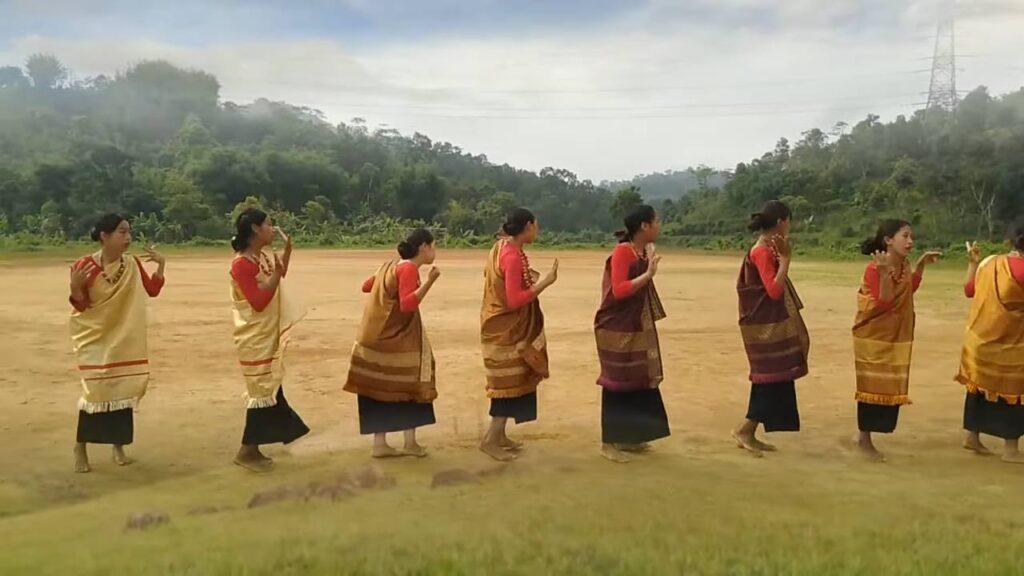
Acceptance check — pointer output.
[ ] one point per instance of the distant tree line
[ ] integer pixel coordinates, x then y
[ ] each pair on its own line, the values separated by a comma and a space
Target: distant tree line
157, 143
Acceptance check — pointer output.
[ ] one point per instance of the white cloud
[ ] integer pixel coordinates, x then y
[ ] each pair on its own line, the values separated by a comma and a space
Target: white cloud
650, 91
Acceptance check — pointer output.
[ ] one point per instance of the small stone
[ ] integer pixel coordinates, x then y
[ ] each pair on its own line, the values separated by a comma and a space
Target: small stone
454, 477
276, 495
146, 520
334, 491
372, 477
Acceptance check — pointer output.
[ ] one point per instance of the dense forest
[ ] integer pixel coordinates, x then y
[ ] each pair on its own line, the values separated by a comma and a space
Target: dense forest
156, 142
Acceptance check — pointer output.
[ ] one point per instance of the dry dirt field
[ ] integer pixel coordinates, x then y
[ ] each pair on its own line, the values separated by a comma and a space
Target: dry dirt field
697, 504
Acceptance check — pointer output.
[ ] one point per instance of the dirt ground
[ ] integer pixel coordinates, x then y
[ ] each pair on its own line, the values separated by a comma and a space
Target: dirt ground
191, 420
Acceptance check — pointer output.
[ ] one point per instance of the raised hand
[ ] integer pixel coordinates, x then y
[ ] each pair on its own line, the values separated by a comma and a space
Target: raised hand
284, 238
973, 252
930, 257
881, 260
781, 246
552, 274
153, 256
652, 266
278, 266
80, 276
433, 274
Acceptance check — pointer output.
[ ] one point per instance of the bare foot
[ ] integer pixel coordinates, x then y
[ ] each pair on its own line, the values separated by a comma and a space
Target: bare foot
1014, 457
764, 446
254, 464
746, 442
635, 448
262, 456
509, 444
386, 451
497, 452
81, 459
869, 451
414, 450
974, 444
613, 453
120, 458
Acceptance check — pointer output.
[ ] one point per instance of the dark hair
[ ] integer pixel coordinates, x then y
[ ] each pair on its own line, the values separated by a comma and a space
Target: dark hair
1016, 234
886, 229
243, 227
642, 214
773, 212
107, 223
516, 221
410, 247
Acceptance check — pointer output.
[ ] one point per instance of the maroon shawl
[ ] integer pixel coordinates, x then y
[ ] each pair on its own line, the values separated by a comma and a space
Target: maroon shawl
627, 341
773, 332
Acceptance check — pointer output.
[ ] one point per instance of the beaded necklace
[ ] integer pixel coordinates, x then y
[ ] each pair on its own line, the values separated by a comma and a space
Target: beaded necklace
903, 272
527, 277
641, 255
117, 275
769, 241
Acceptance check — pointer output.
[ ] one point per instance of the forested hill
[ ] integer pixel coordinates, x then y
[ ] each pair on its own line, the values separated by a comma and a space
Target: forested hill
156, 142
657, 187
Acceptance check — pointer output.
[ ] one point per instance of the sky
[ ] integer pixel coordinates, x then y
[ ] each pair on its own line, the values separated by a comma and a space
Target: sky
605, 88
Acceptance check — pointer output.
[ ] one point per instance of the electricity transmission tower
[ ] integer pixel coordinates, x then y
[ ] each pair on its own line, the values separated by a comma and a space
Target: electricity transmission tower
942, 91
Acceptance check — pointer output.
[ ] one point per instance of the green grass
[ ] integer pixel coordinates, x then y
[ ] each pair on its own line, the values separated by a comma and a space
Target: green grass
549, 515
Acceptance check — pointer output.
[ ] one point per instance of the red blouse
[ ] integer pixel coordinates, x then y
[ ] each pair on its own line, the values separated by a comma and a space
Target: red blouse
408, 276
511, 262
623, 257
872, 280
245, 272
767, 267
152, 285
1016, 269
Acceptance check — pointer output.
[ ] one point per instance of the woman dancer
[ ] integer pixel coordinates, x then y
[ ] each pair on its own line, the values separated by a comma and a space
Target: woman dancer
992, 361
773, 330
512, 332
392, 367
632, 411
883, 330
108, 333
264, 317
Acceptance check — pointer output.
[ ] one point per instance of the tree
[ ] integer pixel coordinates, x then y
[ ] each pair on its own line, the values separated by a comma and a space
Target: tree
12, 77
418, 194
46, 71
626, 201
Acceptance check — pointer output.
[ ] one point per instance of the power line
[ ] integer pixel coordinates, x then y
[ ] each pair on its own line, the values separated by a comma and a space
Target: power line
381, 88
755, 113
682, 106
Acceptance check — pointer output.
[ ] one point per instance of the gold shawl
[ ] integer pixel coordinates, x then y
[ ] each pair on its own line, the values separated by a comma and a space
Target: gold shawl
262, 337
514, 347
391, 358
992, 361
109, 340
883, 340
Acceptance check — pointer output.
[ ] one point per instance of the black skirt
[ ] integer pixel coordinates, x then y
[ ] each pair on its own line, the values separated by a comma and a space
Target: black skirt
773, 404
632, 417
997, 418
273, 424
376, 416
521, 408
877, 418
115, 427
